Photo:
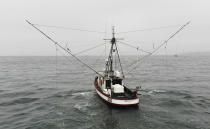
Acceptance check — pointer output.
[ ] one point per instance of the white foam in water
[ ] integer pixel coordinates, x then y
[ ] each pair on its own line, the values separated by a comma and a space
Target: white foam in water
164, 111
81, 106
82, 93
77, 106
156, 91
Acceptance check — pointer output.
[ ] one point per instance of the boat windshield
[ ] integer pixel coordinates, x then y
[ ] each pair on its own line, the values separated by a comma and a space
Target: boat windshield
117, 81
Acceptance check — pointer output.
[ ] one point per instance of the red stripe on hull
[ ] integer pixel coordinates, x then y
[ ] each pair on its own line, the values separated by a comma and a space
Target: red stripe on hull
109, 97
101, 91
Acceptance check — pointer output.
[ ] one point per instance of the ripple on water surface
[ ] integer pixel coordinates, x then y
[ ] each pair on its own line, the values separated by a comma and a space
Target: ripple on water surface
176, 96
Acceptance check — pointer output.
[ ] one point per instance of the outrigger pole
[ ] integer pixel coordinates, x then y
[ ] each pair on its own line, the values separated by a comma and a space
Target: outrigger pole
165, 42
56, 43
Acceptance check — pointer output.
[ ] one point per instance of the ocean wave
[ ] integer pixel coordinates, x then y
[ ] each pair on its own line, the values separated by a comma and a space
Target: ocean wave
19, 101
17, 94
174, 103
156, 91
82, 106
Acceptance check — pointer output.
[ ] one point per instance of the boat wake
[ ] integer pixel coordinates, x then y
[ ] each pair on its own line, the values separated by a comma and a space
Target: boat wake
156, 91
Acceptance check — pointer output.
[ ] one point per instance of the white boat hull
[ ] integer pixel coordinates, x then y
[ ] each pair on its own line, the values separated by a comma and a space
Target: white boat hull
118, 102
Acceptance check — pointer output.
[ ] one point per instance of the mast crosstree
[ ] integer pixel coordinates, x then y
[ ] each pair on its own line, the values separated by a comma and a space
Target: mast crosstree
109, 65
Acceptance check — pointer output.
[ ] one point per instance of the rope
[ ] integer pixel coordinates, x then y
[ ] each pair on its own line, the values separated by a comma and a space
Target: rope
88, 49
105, 41
56, 65
138, 49
68, 28
56, 43
149, 29
165, 42
61, 52
166, 56
98, 59
119, 61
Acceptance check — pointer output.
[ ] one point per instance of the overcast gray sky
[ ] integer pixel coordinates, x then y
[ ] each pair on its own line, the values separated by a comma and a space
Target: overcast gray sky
18, 38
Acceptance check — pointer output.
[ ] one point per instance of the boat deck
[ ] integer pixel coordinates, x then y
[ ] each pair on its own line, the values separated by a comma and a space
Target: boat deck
128, 94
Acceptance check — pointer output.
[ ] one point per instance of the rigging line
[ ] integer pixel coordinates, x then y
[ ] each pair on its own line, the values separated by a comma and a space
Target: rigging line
149, 29
66, 56
105, 49
88, 49
165, 42
69, 28
56, 65
61, 52
138, 49
132, 74
105, 35
119, 61
128, 44
97, 60
115, 61
165, 57
56, 43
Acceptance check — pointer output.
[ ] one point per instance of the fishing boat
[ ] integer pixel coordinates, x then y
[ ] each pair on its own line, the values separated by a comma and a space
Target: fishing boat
109, 83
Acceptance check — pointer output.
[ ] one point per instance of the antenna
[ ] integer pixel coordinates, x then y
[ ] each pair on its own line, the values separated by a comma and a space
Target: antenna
113, 33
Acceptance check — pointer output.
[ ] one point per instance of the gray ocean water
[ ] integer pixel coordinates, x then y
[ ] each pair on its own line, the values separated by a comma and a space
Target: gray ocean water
38, 93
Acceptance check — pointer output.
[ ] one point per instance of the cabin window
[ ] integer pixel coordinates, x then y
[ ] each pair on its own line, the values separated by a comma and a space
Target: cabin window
108, 84
117, 81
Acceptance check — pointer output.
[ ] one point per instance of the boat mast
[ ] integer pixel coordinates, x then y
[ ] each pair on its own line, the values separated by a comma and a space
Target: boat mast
110, 59
113, 41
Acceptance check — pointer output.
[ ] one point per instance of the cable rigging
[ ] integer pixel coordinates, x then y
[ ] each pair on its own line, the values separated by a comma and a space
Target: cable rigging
110, 56
165, 42
56, 43
69, 28
89, 49
149, 29
119, 61
56, 65
137, 48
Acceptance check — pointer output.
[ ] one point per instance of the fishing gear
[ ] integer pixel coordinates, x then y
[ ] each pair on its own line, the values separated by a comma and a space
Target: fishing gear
165, 42
56, 43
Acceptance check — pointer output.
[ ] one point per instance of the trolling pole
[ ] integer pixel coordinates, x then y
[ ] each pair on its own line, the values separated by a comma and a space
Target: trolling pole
165, 42
56, 43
